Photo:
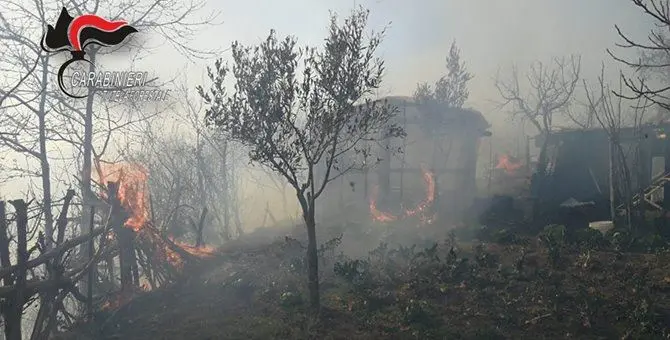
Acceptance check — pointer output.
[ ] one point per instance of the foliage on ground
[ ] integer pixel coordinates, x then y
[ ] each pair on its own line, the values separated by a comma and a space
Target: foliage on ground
560, 284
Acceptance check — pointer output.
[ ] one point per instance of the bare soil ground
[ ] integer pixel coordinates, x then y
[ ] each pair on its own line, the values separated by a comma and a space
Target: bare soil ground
525, 290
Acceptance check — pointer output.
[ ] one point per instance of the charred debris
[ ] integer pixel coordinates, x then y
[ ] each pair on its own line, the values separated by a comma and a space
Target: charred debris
582, 183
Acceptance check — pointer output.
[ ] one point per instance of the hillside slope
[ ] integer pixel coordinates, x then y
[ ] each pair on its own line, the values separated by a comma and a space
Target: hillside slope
490, 291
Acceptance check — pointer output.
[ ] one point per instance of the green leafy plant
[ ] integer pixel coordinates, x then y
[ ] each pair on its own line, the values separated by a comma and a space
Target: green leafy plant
553, 237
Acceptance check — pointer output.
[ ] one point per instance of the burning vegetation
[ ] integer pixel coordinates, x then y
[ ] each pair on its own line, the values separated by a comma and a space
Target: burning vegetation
422, 210
161, 255
133, 190
295, 111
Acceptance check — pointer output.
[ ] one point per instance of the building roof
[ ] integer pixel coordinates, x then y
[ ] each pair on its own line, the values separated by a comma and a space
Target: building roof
472, 117
626, 133
599, 129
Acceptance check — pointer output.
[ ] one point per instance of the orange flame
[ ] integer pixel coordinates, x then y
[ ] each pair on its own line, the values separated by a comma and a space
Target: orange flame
509, 164
429, 180
132, 181
379, 216
133, 194
419, 210
200, 251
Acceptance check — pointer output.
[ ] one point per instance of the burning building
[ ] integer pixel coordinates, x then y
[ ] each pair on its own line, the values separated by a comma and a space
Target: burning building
432, 169
578, 169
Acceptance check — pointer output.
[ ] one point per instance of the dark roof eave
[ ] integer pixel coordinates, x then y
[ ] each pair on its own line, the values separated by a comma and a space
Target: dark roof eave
473, 115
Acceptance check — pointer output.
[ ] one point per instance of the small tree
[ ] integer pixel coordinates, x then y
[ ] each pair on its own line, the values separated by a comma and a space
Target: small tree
451, 90
613, 115
305, 128
550, 91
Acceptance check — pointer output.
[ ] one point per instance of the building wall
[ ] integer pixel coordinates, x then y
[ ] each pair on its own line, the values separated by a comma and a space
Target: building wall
451, 156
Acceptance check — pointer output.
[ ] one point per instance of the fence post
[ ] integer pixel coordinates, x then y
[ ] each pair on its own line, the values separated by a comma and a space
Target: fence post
124, 237
15, 313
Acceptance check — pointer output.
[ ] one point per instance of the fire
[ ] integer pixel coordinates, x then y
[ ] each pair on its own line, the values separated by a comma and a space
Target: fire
133, 194
429, 180
200, 251
419, 210
509, 163
117, 300
379, 216
132, 180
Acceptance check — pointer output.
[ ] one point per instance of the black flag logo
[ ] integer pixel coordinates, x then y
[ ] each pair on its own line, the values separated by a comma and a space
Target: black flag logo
74, 34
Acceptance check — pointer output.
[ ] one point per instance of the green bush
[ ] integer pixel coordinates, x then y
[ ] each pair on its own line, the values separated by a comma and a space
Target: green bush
554, 238
589, 238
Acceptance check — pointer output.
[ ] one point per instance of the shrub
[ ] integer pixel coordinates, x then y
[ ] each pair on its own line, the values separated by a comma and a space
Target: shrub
554, 238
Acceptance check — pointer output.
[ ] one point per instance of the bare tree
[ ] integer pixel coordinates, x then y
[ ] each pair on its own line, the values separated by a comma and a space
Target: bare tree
24, 125
653, 57
38, 122
550, 89
614, 115
173, 20
297, 126
189, 169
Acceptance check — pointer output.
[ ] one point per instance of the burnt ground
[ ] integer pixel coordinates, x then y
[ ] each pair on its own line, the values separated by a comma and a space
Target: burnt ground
522, 289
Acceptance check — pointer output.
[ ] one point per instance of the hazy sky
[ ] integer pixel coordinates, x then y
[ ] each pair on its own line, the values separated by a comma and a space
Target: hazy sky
491, 34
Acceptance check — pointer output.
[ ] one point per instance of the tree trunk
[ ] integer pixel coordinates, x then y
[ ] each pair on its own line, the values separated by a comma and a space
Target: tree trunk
87, 195
201, 173
540, 179
5, 262
13, 308
642, 169
232, 195
124, 237
611, 181
86, 170
625, 176
44, 162
543, 160
226, 189
308, 208
527, 154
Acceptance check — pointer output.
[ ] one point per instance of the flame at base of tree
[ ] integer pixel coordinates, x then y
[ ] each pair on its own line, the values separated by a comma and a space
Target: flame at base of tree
161, 250
132, 180
421, 210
